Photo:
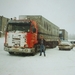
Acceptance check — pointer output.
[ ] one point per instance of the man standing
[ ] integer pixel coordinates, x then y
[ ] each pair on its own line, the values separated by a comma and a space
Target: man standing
42, 43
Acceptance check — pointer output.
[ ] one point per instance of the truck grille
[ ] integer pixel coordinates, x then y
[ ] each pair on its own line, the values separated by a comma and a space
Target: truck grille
16, 41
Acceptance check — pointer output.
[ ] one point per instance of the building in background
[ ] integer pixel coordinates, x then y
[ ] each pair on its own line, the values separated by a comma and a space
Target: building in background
63, 34
3, 23
71, 37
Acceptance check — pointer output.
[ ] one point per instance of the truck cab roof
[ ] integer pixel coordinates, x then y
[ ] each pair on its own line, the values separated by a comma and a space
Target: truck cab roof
19, 21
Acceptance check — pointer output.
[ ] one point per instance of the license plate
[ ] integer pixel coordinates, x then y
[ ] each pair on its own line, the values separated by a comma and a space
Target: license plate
15, 49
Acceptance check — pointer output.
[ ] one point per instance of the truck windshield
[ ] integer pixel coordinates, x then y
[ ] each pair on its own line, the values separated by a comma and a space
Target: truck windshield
25, 27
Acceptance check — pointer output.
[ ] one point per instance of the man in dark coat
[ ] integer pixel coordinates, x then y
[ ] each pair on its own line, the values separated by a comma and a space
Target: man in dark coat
42, 43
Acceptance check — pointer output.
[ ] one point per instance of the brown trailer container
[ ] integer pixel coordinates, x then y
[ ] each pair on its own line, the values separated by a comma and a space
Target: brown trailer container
46, 28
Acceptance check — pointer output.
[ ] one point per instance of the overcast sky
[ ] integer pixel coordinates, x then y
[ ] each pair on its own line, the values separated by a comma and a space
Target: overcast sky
59, 12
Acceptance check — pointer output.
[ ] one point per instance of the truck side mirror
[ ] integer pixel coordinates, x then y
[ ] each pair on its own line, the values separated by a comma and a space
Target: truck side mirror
34, 30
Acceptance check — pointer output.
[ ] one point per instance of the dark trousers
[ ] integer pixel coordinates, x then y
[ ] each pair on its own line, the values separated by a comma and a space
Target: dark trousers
42, 49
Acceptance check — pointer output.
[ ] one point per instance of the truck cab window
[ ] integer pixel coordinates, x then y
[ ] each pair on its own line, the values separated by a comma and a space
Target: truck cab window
25, 27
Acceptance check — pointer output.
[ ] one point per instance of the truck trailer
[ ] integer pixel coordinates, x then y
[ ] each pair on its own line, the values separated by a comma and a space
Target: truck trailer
21, 36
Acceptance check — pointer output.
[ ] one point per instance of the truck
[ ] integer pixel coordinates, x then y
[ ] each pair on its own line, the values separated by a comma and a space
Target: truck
21, 36
63, 34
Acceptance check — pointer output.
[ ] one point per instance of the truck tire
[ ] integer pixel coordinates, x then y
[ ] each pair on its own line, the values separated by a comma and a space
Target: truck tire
33, 53
11, 53
35, 50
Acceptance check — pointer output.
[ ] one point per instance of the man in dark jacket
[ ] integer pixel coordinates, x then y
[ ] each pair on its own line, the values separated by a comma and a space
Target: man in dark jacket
42, 43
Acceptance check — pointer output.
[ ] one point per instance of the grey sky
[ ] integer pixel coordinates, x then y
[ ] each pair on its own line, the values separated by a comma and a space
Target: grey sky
60, 12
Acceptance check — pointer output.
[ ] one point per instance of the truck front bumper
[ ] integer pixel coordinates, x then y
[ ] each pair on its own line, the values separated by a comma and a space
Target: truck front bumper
19, 50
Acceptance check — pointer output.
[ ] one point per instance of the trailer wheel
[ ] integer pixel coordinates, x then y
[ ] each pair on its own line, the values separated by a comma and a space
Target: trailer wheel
59, 48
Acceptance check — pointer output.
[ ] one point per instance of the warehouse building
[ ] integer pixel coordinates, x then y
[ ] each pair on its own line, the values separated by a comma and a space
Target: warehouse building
3, 22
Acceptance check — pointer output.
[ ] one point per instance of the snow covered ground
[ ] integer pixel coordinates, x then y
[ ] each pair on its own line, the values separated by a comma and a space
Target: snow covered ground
55, 63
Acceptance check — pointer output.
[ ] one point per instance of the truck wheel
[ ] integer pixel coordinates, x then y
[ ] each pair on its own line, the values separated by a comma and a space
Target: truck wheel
36, 49
11, 53
33, 53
